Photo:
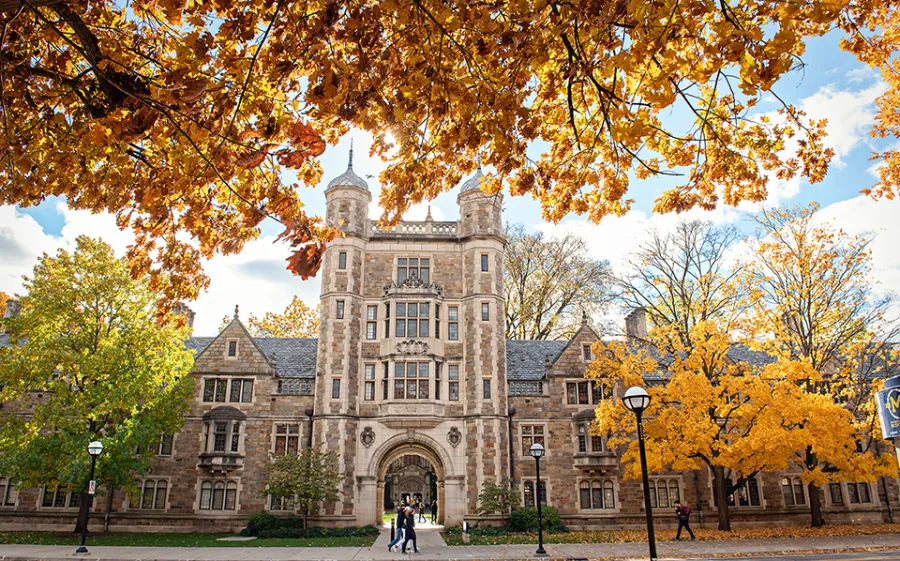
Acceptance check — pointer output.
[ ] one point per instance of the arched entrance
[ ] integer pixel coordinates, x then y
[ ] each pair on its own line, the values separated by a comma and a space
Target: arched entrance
411, 469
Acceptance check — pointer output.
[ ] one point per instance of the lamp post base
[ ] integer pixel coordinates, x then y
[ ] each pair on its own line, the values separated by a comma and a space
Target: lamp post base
540, 551
81, 549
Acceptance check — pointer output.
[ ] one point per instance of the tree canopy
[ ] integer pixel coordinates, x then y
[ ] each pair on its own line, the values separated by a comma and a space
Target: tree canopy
307, 479
89, 359
190, 121
549, 283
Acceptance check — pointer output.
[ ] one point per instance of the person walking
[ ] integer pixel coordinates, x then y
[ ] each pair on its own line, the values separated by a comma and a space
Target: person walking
434, 511
401, 525
411, 531
683, 512
421, 507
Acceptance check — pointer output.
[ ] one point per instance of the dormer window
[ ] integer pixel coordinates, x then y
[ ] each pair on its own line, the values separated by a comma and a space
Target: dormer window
587, 353
232, 348
413, 268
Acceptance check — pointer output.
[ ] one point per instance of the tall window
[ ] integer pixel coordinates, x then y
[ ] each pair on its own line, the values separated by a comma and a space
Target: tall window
485, 311
287, 439
8, 492
339, 312
484, 262
369, 389
453, 323
164, 446
371, 322
792, 491
748, 494
241, 391
529, 493
411, 380
387, 319
438, 366
412, 268
412, 319
342, 260
586, 353
336, 388
220, 436
858, 492
582, 439
232, 348
532, 434
837, 495
486, 388
437, 321
153, 495
584, 436
597, 494
218, 495
453, 382
664, 492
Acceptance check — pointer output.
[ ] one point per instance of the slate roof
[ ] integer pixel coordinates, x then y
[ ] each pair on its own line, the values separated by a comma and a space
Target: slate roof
294, 358
525, 360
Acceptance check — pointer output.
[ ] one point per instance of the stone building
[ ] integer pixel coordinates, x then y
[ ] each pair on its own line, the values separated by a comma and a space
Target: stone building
413, 383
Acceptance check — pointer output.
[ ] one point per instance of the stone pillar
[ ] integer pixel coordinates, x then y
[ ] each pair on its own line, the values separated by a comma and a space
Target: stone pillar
370, 501
453, 492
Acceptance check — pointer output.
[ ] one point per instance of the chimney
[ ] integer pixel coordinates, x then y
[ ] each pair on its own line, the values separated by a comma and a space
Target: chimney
183, 309
13, 308
636, 324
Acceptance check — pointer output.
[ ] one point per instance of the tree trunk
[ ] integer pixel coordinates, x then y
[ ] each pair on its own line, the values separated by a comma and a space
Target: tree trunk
82, 513
305, 517
721, 488
815, 506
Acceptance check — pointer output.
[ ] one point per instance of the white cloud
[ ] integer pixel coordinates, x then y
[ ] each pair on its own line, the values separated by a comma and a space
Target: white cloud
849, 114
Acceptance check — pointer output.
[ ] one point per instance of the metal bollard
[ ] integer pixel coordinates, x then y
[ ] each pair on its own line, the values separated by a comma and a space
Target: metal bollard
392, 528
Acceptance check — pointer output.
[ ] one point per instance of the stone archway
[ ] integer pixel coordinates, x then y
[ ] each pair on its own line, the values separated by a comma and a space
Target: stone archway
449, 483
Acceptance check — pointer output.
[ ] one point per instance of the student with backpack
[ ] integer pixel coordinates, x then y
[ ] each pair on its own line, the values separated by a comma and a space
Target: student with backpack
683, 512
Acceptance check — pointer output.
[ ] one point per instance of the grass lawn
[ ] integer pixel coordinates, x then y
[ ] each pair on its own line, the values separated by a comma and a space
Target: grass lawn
703, 534
174, 540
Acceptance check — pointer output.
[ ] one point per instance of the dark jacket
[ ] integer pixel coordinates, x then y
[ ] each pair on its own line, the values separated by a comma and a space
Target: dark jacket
411, 524
401, 520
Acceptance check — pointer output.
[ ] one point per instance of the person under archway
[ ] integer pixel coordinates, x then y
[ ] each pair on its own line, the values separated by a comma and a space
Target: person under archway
411, 530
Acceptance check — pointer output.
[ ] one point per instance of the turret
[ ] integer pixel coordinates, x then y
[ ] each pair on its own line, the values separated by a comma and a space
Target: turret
480, 213
347, 200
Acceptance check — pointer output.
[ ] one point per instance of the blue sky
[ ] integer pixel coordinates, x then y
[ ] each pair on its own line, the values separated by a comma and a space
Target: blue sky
833, 85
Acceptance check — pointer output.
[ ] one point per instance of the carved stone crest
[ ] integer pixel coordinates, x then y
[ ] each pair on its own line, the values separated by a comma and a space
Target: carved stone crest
367, 436
414, 284
410, 347
454, 437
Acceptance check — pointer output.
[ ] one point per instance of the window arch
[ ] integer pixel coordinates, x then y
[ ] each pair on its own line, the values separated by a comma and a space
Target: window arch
793, 492
597, 494
664, 492
153, 495
218, 495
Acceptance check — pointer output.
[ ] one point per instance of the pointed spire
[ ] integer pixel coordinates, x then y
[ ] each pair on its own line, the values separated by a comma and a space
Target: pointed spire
428, 217
584, 317
350, 159
235, 311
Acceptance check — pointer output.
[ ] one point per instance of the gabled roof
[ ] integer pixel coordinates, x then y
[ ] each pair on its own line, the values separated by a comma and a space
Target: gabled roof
293, 357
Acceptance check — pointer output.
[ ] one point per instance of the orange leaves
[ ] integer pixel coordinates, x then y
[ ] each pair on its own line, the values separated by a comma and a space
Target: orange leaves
308, 243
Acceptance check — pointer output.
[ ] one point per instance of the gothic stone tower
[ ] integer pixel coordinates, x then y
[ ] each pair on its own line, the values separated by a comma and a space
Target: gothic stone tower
412, 351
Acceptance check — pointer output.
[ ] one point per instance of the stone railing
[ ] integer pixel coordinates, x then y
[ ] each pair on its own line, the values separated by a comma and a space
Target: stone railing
409, 228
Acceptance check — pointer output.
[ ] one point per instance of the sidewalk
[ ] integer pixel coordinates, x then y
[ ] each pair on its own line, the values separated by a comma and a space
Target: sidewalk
432, 548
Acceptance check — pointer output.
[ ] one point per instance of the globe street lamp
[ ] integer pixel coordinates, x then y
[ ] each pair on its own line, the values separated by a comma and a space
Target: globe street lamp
537, 452
636, 400
94, 449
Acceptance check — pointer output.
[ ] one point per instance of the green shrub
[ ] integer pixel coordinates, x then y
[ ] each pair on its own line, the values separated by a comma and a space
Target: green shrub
259, 522
301, 533
526, 519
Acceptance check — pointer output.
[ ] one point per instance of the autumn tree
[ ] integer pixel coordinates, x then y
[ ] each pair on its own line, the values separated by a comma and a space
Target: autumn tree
3, 298
89, 359
181, 119
812, 300
550, 282
498, 498
307, 478
707, 409
298, 320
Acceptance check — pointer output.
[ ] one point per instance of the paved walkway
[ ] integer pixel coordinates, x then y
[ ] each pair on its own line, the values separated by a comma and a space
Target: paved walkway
432, 548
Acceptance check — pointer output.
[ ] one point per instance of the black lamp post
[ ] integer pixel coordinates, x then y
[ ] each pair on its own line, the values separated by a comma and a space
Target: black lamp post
537, 452
94, 449
636, 400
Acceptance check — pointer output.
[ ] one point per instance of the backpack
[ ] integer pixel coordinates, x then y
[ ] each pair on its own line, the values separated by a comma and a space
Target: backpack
684, 513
